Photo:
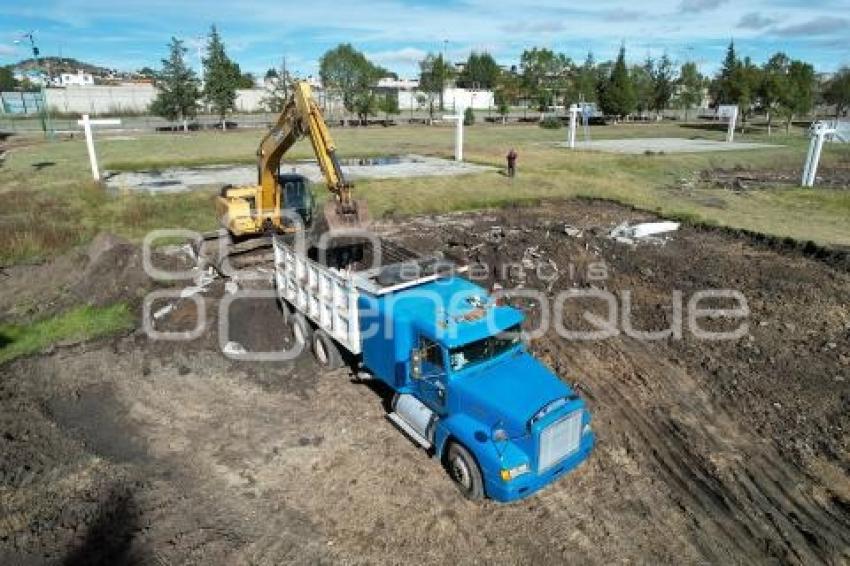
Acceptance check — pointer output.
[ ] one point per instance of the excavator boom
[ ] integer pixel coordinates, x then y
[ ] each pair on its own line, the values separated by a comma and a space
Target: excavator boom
301, 116
255, 211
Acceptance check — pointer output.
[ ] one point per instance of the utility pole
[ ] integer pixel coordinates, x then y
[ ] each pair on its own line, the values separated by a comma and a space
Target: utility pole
43, 114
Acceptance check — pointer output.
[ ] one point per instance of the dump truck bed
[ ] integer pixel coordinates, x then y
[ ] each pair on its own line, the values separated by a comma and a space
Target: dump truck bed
328, 296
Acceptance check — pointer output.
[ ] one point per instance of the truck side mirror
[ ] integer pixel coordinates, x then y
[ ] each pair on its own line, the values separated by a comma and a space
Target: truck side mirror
416, 364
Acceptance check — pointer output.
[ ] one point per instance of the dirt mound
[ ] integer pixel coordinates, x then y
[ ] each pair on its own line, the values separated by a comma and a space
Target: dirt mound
742, 179
114, 273
108, 270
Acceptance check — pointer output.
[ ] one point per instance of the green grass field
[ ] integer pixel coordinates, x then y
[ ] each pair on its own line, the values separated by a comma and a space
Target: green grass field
51, 203
76, 325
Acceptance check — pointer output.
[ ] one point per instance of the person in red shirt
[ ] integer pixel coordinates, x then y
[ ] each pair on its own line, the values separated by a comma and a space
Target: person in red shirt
511, 157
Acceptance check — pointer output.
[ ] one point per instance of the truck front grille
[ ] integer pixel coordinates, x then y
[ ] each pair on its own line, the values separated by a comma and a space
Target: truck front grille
559, 440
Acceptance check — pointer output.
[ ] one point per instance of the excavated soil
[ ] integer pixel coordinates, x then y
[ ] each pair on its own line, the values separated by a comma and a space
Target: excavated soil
130, 450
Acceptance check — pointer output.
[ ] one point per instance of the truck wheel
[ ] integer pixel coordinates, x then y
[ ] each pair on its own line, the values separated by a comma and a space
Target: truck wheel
300, 329
465, 472
325, 350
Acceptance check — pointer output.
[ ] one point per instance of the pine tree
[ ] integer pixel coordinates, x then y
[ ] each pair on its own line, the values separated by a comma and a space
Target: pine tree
178, 94
221, 78
618, 96
724, 87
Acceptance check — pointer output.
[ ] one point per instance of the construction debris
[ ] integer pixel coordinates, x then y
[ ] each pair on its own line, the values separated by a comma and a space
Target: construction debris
234, 349
644, 232
572, 231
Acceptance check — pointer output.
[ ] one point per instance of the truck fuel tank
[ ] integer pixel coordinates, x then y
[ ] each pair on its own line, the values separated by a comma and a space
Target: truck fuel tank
414, 418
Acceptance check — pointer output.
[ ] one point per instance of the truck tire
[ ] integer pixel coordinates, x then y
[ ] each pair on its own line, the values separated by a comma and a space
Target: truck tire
301, 330
325, 351
465, 472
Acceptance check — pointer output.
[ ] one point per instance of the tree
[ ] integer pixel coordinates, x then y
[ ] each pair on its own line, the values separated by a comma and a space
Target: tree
617, 96
7, 79
745, 85
774, 82
481, 71
349, 73
798, 97
506, 92
178, 94
278, 87
723, 88
545, 74
221, 78
641, 78
468, 117
388, 103
691, 85
246, 80
663, 80
837, 91
146, 72
434, 77
585, 81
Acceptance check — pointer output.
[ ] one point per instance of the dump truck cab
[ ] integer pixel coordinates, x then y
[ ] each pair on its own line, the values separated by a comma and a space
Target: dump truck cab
468, 389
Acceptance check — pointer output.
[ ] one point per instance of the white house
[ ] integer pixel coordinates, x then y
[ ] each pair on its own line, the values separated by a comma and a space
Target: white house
79, 78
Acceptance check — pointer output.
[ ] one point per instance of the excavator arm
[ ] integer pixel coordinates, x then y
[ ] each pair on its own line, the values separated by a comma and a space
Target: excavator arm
301, 116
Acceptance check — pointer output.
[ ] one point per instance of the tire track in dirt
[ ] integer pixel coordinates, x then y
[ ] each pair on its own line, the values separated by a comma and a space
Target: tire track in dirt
729, 506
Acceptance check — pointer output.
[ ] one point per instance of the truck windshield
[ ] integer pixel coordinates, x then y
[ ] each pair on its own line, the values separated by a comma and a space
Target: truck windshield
490, 347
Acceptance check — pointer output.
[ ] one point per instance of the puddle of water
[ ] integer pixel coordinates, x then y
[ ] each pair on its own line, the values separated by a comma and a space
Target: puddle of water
381, 160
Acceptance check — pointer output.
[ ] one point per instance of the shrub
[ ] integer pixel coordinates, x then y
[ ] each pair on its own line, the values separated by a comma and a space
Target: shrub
550, 123
468, 117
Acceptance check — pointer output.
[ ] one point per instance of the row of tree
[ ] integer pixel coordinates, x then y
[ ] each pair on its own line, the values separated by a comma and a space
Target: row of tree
181, 91
781, 87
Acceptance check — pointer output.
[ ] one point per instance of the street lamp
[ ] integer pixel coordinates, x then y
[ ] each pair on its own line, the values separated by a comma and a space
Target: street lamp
45, 119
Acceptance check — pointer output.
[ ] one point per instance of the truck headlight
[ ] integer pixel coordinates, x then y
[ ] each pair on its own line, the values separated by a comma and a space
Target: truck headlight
512, 473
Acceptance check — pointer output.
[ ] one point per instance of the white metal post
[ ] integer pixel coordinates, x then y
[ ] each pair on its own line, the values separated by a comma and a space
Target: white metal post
573, 114
87, 123
458, 118
90, 145
807, 166
730, 133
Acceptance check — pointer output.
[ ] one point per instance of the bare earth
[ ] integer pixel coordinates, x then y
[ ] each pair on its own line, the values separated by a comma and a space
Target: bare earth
133, 451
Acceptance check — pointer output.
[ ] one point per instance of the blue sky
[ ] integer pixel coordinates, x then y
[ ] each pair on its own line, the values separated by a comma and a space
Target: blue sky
129, 34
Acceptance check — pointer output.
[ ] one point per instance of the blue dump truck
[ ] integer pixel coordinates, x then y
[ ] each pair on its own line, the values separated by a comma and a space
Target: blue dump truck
465, 386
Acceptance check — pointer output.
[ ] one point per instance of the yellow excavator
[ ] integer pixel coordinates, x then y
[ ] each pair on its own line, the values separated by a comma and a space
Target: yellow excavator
250, 212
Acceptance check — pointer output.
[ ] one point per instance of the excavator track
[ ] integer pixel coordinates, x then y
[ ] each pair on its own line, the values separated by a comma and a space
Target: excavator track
219, 250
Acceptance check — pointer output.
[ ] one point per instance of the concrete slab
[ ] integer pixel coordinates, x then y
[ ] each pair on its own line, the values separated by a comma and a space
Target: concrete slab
186, 178
663, 145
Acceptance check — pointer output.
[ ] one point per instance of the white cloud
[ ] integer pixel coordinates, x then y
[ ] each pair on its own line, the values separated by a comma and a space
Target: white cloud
754, 20
403, 56
696, 6
7, 50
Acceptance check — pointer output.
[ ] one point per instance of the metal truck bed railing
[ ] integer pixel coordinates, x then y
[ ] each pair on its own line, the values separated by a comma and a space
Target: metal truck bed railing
328, 296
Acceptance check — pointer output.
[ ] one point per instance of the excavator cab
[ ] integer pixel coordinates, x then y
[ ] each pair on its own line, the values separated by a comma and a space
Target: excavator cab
297, 195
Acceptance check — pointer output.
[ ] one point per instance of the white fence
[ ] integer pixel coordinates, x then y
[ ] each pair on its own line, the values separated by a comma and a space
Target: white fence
128, 99
453, 98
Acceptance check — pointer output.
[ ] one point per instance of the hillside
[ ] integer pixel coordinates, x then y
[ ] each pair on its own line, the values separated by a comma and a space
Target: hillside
61, 65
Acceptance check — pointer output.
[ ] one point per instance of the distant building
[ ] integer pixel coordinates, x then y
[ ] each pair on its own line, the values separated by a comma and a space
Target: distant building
79, 78
399, 84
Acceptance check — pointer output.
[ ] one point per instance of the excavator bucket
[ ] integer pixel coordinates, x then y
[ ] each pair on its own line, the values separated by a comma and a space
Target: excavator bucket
341, 219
